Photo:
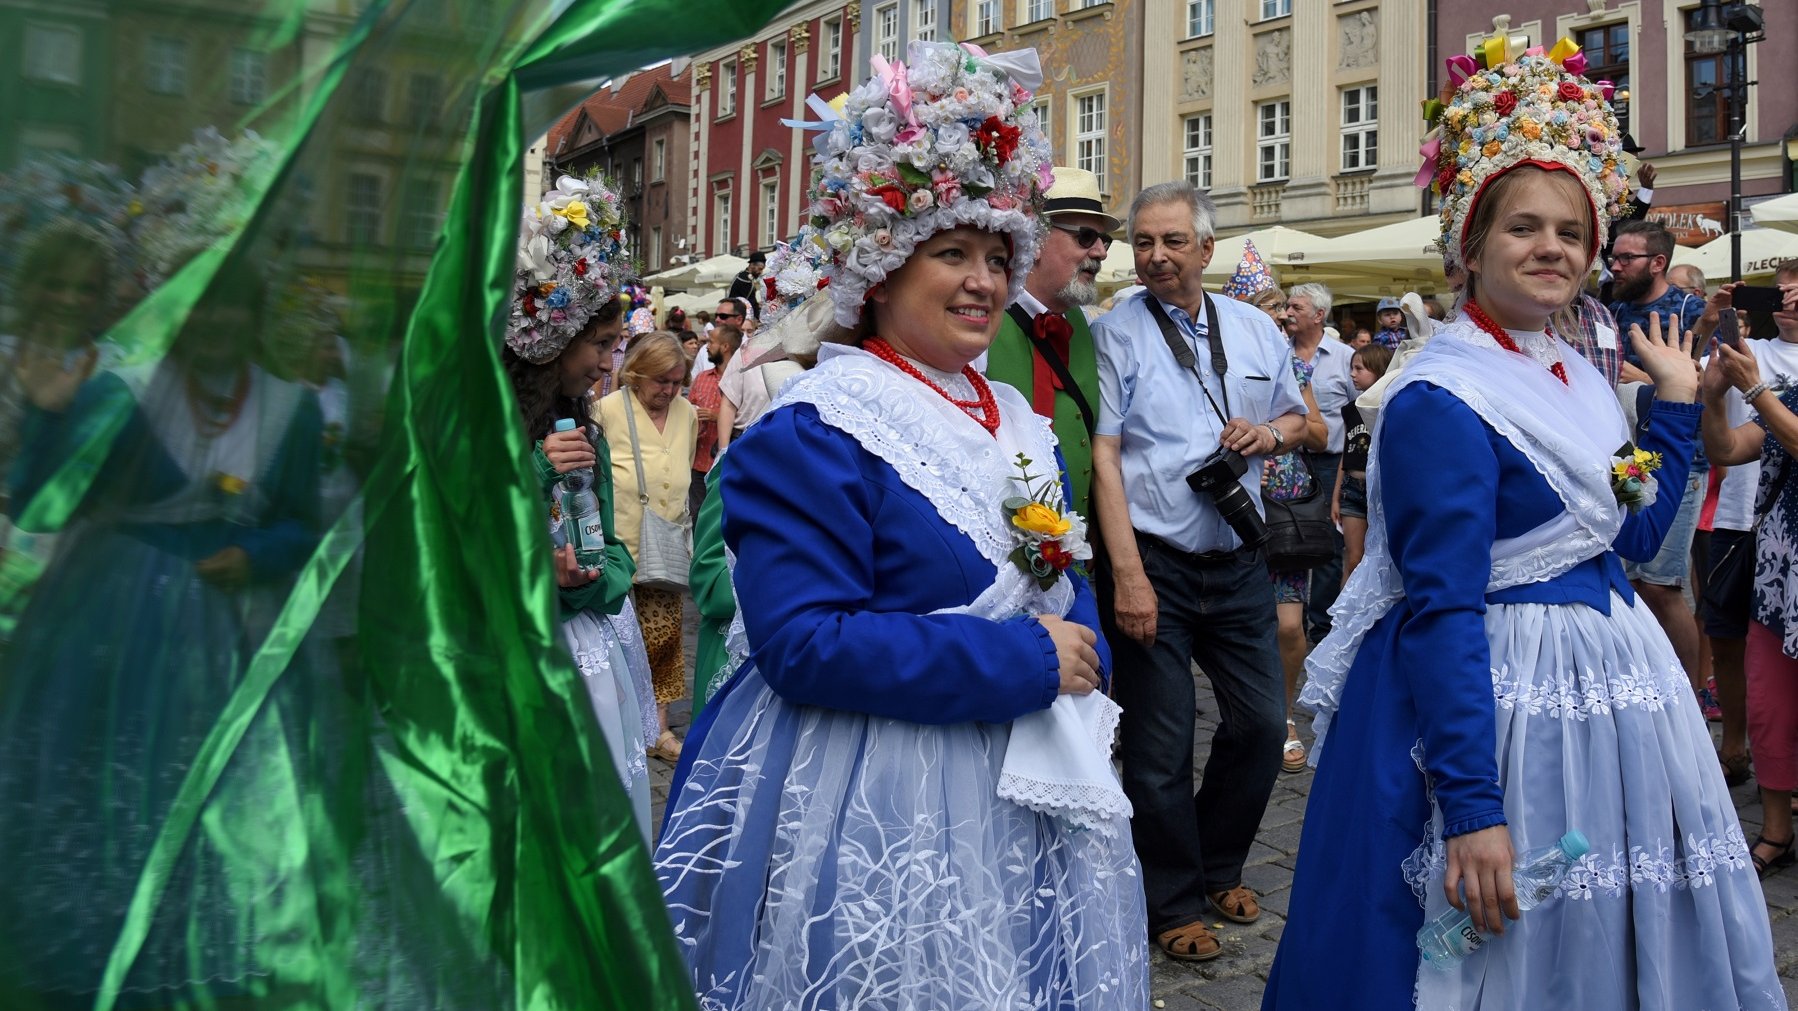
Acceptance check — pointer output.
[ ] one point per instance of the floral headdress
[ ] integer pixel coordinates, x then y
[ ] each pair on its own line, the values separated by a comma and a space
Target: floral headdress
1503, 107
943, 140
569, 265
56, 195
795, 272
203, 192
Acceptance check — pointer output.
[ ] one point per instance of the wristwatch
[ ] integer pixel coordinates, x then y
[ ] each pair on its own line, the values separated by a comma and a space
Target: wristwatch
1279, 437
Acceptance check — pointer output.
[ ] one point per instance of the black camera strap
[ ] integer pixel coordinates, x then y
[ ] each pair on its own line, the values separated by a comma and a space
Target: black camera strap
1183, 353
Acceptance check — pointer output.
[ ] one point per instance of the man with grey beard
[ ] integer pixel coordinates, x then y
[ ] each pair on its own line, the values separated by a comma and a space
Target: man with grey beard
1044, 348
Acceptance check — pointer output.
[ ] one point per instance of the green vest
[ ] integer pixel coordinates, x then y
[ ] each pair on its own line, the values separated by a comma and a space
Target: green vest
1012, 361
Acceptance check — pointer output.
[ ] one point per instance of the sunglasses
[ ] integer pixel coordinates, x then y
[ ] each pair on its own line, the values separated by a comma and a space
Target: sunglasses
727, 315
1085, 235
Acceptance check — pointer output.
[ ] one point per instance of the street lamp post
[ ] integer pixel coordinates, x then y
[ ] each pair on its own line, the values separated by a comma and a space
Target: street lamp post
1730, 29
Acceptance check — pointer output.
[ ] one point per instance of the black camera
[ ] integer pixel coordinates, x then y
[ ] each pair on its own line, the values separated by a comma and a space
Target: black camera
1219, 479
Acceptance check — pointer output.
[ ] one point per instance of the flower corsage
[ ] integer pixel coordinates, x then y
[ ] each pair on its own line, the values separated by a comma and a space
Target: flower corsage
1050, 537
1632, 478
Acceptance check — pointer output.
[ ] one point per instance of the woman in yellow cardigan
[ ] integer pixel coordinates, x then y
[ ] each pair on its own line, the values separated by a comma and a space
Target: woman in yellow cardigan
667, 432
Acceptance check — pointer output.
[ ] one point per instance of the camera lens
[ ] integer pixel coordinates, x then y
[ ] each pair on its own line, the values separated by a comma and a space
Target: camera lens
1239, 511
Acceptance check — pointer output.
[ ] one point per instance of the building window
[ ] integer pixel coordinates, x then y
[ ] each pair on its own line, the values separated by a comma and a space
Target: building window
1707, 95
1273, 141
1038, 10
363, 203
1360, 128
424, 98
986, 17
1275, 8
770, 212
1198, 150
636, 174
1042, 107
923, 20
886, 30
777, 69
424, 214
830, 62
249, 76
658, 162
655, 248
370, 92
165, 65
1089, 135
1607, 59
722, 243
52, 54
1201, 18
727, 87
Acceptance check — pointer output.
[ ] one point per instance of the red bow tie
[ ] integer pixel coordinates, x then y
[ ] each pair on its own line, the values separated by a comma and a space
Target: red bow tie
1053, 329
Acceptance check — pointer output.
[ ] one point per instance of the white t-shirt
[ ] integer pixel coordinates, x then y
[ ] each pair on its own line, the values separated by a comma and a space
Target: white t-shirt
747, 392
1735, 500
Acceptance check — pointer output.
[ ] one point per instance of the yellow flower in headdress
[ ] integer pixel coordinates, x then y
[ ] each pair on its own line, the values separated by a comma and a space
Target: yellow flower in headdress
1492, 148
1530, 129
575, 211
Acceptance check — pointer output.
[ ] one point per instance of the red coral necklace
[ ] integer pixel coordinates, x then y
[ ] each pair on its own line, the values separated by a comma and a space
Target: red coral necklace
1497, 333
983, 401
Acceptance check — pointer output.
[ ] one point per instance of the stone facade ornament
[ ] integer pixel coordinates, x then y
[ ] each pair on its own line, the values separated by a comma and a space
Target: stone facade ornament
702, 76
1273, 57
852, 16
801, 37
1195, 83
748, 55
1358, 41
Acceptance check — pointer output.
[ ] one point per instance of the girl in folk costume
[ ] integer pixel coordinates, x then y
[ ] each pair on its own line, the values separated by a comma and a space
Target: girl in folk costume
567, 315
1491, 682
905, 798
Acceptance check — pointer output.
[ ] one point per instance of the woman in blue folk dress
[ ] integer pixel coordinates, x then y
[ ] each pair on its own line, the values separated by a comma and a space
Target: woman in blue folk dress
905, 798
1491, 682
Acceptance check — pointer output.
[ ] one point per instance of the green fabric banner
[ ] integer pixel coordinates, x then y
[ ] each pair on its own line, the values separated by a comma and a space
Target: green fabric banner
286, 719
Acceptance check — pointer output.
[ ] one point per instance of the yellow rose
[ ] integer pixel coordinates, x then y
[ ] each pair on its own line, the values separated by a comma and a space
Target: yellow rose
1530, 129
576, 213
1492, 149
1040, 519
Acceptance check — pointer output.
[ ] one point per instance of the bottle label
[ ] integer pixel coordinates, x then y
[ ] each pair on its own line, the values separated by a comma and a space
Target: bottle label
1466, 941
591, 535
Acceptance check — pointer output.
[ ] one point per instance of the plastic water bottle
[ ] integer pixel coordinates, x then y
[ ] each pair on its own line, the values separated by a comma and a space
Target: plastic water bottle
580, 512
1451, 937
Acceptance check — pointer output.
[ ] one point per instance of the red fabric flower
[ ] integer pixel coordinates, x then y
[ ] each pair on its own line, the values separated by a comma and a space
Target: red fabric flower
1571, 92
892, 196
1505, 101
580, 268
999, 137
1058, 559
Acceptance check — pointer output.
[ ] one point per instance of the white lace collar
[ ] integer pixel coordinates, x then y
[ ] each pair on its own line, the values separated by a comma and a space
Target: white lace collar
1545, 348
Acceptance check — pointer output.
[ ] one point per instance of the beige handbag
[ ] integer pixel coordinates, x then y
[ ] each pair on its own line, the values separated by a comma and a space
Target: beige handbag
664, 548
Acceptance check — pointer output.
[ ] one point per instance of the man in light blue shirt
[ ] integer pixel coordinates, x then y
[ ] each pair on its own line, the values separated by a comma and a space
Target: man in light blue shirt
1331, 388
1184, 587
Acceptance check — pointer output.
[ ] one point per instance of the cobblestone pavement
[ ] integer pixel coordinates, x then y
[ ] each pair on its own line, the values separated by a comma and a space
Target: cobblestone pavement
1233, 981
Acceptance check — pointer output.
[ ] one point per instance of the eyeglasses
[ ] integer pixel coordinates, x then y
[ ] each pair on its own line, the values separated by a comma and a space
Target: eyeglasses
1085, 235
727, 315
1628, 258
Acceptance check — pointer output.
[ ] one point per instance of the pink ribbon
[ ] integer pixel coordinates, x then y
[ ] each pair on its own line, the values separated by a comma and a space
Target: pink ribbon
1460, 68
1430, 149
1535, 51
1575, 64
1606, 89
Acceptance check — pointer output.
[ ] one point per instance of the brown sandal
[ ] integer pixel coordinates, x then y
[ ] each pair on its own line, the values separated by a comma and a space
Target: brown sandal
1237, 904
667, 748
1192, 943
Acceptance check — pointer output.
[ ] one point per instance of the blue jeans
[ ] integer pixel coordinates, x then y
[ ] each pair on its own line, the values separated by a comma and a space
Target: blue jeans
1219, 614
1673, 563
1326, 579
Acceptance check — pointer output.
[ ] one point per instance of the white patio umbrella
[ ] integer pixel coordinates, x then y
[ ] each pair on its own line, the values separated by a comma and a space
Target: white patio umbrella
1780, 213
1279, 247
1762, 250
708, 273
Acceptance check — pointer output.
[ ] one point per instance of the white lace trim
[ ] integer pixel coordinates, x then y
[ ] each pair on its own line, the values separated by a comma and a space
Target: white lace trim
1554, 431
1662, 868
1541, 346
1590, 693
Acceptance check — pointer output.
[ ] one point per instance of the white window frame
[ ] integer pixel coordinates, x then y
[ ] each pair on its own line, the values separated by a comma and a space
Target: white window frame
923, 20
989, 17
830, 61
1201, 18
770, 197
658, 164
636, 173
1271, 9
362, 220
249, 76
1092, 140
721, 210
777, 69
165, 65
1038, 10
1273, 141
727, 87
1360, 128
53, 54
886, 29
1044, 110
1197, 132
655, 248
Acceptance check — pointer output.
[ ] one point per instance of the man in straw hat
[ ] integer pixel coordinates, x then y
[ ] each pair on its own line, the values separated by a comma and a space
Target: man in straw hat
1044, 348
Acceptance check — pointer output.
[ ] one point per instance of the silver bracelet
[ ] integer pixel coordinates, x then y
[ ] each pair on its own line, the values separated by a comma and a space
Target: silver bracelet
1756, 390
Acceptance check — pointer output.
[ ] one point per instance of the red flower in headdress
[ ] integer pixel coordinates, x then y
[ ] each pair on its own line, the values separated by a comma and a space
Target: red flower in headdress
1571, 92
892, 196
999, 137
1504, 102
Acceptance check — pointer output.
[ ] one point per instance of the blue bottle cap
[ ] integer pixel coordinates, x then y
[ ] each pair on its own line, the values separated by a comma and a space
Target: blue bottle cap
1574, 844
564, 424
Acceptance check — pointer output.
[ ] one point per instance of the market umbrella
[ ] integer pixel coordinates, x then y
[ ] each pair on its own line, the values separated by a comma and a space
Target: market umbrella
1762, 250
1780, 213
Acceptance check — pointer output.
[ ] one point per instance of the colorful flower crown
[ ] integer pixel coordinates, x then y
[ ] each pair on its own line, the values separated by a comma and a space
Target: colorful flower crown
1501, 108
203, 192
794, 273
943, 140
56, 192
569, 265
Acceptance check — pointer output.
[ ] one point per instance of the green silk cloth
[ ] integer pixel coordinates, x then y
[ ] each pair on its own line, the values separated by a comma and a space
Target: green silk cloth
397, 795
1012, 360
709, 580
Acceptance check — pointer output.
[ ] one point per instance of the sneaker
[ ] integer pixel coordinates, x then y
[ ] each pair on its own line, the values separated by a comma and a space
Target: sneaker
1707, 701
